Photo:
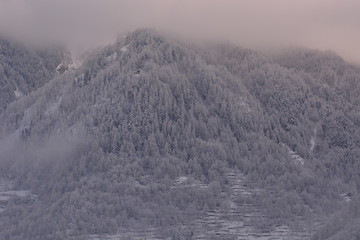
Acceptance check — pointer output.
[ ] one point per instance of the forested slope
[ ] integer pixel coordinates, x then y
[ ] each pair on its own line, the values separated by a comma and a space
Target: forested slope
102, 146
23, 70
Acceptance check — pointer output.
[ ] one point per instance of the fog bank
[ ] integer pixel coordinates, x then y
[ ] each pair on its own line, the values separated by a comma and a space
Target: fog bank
320, 24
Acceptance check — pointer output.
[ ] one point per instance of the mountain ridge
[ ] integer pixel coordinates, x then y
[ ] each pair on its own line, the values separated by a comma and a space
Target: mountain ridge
146, 110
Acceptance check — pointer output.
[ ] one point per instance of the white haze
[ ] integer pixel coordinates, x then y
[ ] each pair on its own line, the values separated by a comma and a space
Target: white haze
320, 24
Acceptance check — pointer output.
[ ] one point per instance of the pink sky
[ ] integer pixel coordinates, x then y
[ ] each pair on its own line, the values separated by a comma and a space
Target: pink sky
321, 24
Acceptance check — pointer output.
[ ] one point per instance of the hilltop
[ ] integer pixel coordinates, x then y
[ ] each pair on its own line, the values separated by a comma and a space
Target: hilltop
149, 131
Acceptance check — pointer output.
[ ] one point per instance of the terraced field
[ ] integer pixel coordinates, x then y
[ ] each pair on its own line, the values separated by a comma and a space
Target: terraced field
234, 223
7, 192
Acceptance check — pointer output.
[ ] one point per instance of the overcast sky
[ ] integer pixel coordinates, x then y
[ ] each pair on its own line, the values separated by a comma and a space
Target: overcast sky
321, 24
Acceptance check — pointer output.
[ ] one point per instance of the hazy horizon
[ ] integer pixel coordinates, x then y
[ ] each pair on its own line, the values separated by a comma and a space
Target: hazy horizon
321, 24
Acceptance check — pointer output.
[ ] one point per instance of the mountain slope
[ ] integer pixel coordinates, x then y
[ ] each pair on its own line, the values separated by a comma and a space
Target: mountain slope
23, 70
106, 145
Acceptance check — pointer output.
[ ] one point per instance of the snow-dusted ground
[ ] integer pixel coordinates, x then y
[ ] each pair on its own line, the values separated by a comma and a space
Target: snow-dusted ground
183, 182
135, 233
7, 192
297, 158
294, 156
233, 223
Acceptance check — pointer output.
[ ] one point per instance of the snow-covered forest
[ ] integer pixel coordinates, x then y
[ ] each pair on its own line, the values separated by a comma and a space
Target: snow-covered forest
153, 133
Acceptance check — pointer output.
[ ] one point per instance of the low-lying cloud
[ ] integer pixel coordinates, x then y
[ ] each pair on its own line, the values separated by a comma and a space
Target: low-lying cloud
321, 24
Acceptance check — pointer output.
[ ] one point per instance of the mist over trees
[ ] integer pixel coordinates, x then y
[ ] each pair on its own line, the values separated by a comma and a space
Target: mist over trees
102, 145
23, 70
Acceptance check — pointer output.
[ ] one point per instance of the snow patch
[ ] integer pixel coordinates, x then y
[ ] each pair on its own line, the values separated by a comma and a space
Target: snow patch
180, 180
246, 107
184, 181
294, 156
7, 192
75, 64
53, 108
62, 68
124, 49
25, 124
346, 197
18, 93
80, 80
313, 140
112, 57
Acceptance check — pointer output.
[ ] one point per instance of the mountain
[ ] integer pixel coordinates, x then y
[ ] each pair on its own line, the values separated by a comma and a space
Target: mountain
155, 133
23, 70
